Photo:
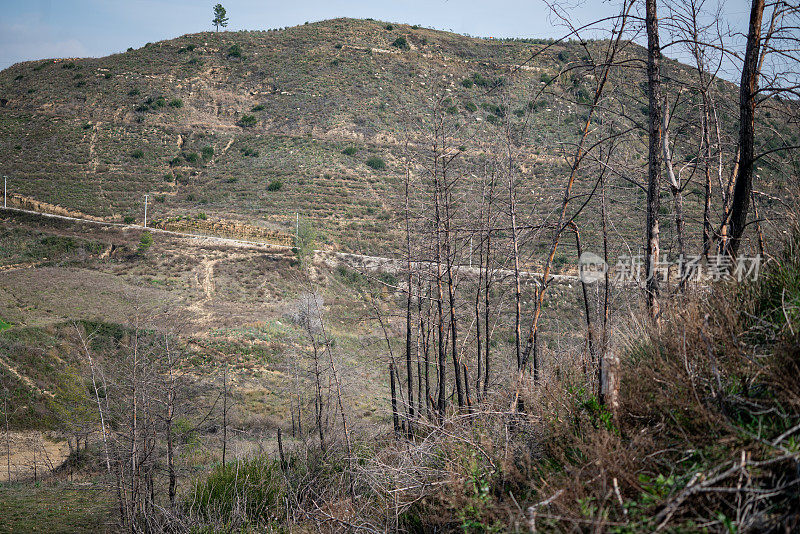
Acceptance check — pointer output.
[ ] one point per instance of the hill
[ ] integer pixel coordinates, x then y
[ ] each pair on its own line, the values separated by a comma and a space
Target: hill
261, 126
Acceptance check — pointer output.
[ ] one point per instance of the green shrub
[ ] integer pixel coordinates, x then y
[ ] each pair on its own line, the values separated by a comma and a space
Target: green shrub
275, 185
145, 242
87, 126
388, 27
202, 216
452, 110
350, 151
471, 107
466, 82
134, 92
191, 157
235, 51
376, 163
128, 219
160, 198
251, 152
108, 75
137, 154
401, 43
249, 491
258, 107
176, 103
247, 121
207, 151
19, 77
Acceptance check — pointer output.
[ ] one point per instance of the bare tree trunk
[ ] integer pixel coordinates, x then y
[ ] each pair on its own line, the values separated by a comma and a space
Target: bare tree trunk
410, 280
224, 412
395, 418
586, 307
675, 188
652, 245
748, 90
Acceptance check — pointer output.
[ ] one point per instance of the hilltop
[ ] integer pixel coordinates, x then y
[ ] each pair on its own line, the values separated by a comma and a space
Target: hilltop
313, 119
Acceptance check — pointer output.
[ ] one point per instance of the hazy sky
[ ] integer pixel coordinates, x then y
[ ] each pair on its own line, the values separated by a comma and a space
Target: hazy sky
35, 29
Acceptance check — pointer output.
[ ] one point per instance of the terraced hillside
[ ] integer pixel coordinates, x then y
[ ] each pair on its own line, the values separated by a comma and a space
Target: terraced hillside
260, 126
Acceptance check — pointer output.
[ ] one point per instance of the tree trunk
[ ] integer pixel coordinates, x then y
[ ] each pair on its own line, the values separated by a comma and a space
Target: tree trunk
654, 157
748, 89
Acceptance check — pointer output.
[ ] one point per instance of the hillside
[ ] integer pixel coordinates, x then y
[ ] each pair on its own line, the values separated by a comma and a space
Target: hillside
259, 126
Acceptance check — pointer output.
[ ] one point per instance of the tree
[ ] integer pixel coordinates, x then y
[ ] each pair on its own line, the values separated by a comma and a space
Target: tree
748, 90
219, 17
655, 155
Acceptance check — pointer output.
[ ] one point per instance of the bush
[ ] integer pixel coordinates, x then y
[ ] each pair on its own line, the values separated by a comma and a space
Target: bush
134, 92
258, 107
191, 157
471, 107
128, 219
202, 216
401, 43
242, 492
350, 151
376, 163
251, 152
388, 27
466, 82
235, 51
247, 121
137, 154
275, 185
145, 242
208, 152
176, 103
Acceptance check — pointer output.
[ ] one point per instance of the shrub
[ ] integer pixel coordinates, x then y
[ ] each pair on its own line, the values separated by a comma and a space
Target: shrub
247, 121
108, 75
175, 161
145, 242
350, 151
401, 43
176, 103
376, 163
207, 151
128, 219
87, 126
247, 151
466, 82
258, 107
275, 185
388, 27
137, 154
202, 216
191, 157
160, 198
235, 51
249, 491
134, 92
193, 61
19, 77
452, 110
471, 107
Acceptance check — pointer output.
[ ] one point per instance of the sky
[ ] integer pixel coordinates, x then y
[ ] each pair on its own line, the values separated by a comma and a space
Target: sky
36, 29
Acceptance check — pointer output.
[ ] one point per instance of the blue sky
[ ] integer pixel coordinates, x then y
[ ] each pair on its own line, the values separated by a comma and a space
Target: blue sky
35, 29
